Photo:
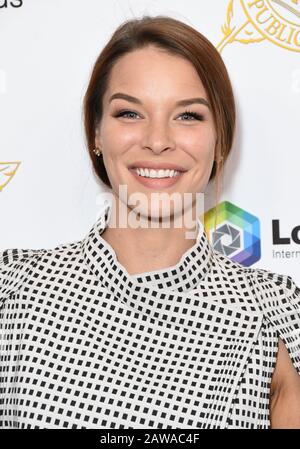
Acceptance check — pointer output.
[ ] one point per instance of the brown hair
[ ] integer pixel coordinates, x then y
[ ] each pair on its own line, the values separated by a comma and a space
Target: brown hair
179, 39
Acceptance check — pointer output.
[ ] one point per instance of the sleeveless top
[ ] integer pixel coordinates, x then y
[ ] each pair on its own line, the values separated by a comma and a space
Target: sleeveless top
86, 345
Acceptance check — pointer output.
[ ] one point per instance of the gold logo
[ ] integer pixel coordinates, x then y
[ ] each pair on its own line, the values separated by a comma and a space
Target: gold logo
251, 21
7, 172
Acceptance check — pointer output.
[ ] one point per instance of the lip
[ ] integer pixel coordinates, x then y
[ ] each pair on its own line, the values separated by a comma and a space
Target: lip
156, 183
157, 166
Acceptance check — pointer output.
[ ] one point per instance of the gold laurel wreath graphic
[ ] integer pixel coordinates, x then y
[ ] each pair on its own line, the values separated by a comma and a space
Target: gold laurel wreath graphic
247, 33
7, 172
234, 34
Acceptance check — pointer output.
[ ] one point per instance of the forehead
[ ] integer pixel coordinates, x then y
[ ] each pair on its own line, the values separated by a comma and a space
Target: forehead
152, 70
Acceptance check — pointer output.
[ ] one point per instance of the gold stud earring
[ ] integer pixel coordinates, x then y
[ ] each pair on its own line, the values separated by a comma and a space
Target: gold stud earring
97, 151
218, 160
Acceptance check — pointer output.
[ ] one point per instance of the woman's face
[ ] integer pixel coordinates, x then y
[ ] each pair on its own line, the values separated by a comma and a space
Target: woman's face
152, 128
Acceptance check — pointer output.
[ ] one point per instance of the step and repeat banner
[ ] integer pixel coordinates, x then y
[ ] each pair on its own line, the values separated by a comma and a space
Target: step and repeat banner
48, 193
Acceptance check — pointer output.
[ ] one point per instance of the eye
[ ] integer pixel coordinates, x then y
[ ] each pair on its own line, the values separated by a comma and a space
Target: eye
126, 114
192, 116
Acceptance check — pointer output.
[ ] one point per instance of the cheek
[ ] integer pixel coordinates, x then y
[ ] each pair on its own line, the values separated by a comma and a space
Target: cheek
201, 145
118, 139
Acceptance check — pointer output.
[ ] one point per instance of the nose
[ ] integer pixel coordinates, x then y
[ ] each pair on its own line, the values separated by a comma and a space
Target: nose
158, 137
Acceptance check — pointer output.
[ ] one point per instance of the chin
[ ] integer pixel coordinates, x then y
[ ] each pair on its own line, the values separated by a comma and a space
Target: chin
158, 212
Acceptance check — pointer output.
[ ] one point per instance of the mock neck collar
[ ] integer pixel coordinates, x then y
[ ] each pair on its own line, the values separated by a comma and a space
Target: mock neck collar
184, 276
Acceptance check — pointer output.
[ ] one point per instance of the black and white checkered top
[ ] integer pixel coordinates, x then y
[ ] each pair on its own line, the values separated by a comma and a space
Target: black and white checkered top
86, 345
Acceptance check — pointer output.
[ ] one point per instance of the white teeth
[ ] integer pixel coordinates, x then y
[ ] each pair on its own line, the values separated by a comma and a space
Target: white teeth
150, 173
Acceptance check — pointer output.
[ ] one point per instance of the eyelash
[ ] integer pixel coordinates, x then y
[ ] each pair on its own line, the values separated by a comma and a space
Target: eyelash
195, 115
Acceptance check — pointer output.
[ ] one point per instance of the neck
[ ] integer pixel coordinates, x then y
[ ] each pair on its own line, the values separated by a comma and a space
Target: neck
147, 248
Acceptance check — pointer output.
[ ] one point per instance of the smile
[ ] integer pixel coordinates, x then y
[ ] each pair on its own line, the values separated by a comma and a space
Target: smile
156, 178
152, 173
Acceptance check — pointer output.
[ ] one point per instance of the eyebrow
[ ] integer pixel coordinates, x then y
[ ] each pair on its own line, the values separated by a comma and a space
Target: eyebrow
185, 102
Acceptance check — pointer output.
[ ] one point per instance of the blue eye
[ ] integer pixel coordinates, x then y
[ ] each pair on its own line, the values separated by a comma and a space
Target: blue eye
194, 115
125, 113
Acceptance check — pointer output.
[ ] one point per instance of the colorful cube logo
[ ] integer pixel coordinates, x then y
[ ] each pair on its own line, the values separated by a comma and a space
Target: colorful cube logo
234, 232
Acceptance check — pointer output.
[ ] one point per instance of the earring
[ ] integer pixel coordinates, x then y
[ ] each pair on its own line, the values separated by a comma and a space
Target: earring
218, 160
97, 151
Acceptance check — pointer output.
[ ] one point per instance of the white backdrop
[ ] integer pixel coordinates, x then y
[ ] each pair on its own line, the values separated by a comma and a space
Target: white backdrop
47, 49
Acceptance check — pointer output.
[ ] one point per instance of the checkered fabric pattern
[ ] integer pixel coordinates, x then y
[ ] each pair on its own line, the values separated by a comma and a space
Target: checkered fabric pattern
83, 344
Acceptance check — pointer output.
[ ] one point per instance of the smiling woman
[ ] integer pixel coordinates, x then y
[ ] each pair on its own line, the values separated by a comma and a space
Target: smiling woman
135, 47
152, 131
138, 326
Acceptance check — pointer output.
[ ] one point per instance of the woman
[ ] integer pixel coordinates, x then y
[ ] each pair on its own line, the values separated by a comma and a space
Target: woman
142, 326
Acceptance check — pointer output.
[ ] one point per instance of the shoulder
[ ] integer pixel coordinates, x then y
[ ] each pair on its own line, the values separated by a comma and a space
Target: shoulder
17, 264
278, 298
275, 289
13, 265
270, 287
276, 295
